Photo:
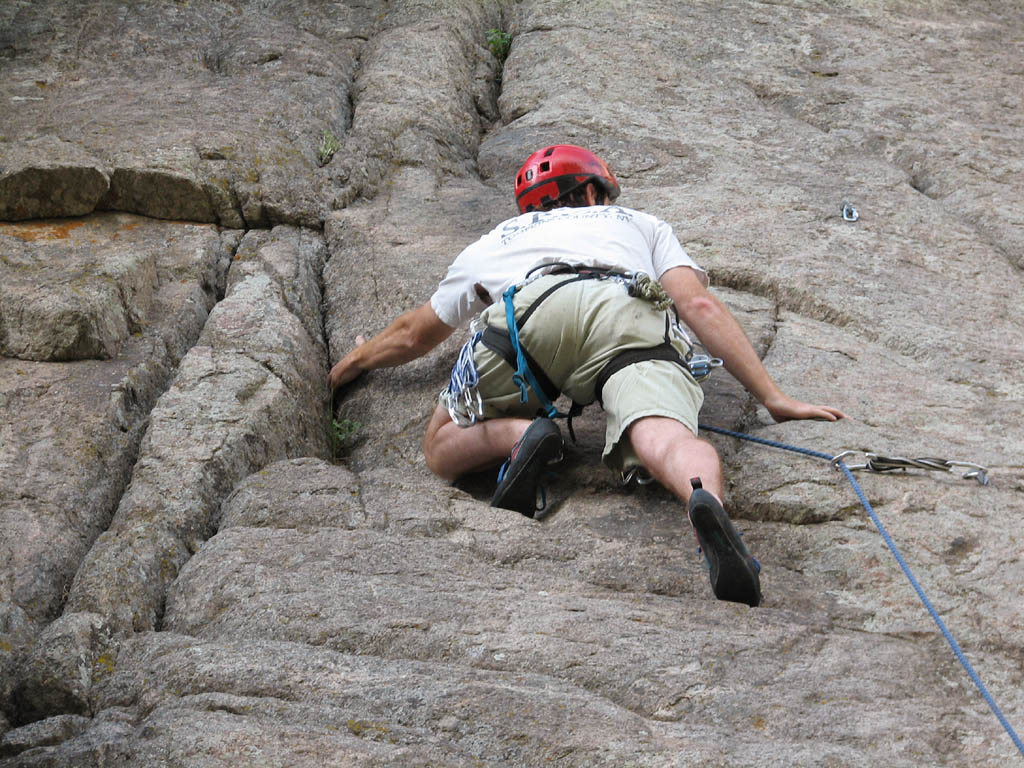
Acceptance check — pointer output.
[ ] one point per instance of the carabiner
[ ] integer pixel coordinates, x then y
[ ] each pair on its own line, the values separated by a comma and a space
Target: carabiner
838, 459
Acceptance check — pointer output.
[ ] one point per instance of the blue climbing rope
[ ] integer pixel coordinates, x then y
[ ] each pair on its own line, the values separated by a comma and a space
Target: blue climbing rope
763, 441
899, 559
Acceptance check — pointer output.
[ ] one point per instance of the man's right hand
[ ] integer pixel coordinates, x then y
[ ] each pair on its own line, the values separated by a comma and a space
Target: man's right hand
343, 372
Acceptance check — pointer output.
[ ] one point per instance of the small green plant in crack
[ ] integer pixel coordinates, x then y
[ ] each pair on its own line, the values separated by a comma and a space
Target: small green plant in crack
342, 435
499, 42
329, 144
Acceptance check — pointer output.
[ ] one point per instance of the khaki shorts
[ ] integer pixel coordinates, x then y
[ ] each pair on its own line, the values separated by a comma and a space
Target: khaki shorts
572, 335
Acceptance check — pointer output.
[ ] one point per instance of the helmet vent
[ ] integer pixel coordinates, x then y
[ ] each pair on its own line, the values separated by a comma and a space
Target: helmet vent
545, 167
550, 151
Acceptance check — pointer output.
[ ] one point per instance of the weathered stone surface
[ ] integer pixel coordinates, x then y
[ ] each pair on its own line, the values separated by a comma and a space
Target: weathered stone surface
104, 743
249, 393
294, 259
336, 707
225, 108
303, 493
566, 655
48, 177
61, 666
65, 296
53, 730
367, 613
71, 431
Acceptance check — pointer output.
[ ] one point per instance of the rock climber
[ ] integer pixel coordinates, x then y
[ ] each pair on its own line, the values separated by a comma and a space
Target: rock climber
595, 292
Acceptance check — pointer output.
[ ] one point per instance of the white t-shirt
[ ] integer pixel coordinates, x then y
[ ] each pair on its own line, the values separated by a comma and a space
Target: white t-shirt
595, 236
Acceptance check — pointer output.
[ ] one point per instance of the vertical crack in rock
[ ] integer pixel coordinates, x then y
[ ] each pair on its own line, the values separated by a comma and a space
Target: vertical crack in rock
415, 138
436, 127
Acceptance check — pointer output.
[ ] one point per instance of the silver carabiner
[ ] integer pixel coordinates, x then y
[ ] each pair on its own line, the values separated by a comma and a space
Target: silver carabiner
460, 407
639, 475
975, 471
474, 405
849, 212
838, 459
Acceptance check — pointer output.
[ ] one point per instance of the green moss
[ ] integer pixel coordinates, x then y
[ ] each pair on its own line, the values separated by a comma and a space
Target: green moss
106, 663
364, 728
499, 43
328, 146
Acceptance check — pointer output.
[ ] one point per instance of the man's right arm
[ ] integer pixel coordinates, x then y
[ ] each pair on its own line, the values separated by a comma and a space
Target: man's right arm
723, 337
409, 337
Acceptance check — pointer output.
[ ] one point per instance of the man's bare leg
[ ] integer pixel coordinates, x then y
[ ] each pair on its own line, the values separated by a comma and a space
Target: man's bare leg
451, 450
673, 455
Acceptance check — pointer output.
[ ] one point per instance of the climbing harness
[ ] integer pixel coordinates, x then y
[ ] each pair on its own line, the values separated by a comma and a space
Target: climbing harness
977, 472
530, 376
463, 401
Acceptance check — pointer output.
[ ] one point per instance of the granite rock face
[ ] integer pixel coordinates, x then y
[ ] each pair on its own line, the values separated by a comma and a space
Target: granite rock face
203, 204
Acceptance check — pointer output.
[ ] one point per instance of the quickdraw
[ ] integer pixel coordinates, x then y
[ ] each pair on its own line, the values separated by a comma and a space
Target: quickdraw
880, 464
460, 397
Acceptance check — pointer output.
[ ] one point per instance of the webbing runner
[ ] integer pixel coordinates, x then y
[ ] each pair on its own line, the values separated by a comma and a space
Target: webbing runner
899, 559
523, 376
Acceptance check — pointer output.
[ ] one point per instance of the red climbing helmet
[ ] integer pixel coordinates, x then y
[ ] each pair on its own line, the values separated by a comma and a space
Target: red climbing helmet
554, 171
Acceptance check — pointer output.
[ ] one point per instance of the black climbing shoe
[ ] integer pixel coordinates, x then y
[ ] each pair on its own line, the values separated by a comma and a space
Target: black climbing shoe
733, 571
519, 478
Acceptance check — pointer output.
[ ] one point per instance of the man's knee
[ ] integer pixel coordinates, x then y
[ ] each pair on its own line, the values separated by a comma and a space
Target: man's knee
656, 438
660, 430
432, 439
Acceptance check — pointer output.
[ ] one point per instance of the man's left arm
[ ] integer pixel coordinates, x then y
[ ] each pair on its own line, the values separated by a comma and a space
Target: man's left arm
723, 337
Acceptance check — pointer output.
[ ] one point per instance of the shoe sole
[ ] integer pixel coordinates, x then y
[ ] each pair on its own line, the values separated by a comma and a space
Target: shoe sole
736, 580
518, 489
